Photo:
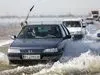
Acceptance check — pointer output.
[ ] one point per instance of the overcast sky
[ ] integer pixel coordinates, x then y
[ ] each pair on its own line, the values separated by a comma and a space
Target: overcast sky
21, 7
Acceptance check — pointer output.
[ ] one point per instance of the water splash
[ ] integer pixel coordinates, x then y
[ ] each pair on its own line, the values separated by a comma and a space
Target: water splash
3, 59
5, 42
25, 70
87, 63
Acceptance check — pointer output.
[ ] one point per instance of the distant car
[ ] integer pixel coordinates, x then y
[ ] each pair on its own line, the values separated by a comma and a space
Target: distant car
75, 26
93, 32
97, 35
89, 20
37, 43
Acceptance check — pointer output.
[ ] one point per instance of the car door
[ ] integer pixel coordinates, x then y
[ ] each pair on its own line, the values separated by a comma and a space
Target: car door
65, 33
65, 43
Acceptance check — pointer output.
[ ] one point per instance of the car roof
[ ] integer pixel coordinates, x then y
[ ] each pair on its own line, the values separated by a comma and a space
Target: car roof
73, 19
44, 23
89, 18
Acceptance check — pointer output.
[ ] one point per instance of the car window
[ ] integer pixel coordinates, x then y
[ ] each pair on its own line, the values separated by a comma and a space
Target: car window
40, 31
72, 23
67, 31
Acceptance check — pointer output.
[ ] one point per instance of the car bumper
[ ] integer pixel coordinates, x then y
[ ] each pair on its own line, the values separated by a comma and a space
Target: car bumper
43, 56
77, 36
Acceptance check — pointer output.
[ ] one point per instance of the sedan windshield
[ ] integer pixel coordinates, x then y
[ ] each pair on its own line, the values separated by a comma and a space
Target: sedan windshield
40, 31
72, 23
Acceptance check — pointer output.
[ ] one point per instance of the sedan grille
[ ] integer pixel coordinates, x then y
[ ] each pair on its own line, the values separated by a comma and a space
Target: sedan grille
31, 51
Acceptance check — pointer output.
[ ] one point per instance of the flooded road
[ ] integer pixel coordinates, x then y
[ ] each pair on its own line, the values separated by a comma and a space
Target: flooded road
87, 63
80, 58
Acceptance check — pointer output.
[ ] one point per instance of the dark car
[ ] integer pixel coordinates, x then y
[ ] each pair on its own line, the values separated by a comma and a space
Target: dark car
37, 43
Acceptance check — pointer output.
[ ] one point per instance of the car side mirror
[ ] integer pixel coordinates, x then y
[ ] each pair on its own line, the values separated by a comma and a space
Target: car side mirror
13, 37
67, 37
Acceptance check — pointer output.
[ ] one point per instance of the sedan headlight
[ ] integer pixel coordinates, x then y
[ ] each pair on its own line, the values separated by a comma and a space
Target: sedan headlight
50, 50
13, 51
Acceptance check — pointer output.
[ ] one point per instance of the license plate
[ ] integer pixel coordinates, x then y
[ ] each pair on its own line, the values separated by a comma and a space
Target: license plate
31, 56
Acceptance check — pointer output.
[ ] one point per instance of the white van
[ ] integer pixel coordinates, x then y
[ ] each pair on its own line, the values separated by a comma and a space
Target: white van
75, 26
